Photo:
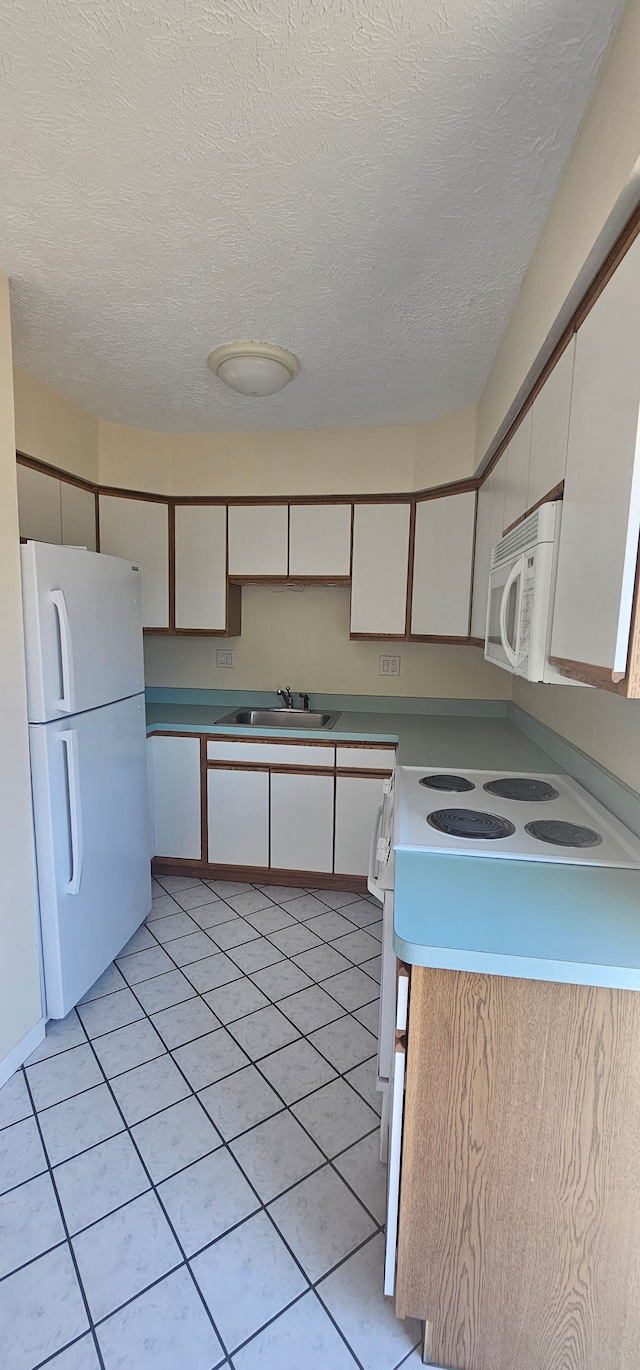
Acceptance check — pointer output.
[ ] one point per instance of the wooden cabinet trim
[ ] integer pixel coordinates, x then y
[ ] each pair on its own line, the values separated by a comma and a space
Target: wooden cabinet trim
264, 875
551, 495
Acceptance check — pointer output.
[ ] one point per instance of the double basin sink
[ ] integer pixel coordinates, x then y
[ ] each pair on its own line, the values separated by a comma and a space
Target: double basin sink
279, 718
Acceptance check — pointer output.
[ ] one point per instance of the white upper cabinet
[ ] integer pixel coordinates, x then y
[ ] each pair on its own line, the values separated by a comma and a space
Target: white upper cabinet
320, 539
78, 510
138, 529
39, 511
601, 509
201, 566
442, 563
380, 569
550, 429
490, 523
258, 539
517, 482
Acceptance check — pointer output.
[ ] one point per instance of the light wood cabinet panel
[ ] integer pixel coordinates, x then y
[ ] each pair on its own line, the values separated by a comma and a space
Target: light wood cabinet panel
238, 817
138, 530
601, 508
517, 477
201, 566
301, 822
258, 539
380, 569
550, 429
442, 563
78, 509
176, 796
358, 799
519, 1237
39, 513
320, 540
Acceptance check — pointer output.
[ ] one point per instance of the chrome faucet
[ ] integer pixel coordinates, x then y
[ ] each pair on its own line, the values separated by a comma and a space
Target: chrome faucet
287, 696
305, 701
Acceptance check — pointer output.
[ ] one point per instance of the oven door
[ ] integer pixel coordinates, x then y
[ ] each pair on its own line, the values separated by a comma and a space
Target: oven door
504, 614
381, 855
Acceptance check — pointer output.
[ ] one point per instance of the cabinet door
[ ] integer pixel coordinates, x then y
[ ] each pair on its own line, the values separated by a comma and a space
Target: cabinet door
517, 486
201, 566
358, 799
550, 429
442, 561
258, 539
138, 530
301, 822
38, 505
320, 540
78, 509
488, 531
176, 797
601, 508
238, 819
380, 570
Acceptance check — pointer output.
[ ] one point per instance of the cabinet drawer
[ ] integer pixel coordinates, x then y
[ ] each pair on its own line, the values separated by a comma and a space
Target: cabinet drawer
366, 758
270, 754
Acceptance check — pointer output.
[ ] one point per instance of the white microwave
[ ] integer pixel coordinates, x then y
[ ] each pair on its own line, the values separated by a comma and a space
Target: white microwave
521, 590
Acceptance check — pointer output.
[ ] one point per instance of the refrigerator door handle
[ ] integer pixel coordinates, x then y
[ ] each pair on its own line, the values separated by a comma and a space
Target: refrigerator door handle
70, 739
66, 701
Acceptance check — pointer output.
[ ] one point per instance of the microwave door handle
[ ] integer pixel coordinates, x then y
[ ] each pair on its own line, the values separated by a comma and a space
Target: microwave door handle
506, 645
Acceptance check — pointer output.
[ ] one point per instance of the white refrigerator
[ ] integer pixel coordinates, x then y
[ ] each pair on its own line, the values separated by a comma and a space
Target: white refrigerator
85, 695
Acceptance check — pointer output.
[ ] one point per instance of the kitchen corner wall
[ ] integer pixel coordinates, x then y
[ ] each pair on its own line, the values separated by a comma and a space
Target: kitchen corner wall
20, 1006
599, 189
300, 637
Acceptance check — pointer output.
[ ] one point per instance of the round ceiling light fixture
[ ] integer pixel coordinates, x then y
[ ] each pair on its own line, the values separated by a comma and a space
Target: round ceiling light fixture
253, 368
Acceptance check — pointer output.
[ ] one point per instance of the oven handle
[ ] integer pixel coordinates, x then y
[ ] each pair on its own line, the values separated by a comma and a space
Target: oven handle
374, 847
506, 646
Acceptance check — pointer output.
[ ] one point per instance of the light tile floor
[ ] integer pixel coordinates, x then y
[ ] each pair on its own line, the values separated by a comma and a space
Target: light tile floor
189, 1171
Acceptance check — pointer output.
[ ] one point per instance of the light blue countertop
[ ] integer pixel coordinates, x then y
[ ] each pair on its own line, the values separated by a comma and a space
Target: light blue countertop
537, 920
423, 739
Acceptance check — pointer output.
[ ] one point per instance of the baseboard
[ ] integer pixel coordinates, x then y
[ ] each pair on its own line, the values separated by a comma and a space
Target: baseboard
21, 1052
260, 875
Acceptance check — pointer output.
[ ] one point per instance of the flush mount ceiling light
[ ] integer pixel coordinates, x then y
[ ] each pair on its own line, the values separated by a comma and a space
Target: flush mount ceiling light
253, 368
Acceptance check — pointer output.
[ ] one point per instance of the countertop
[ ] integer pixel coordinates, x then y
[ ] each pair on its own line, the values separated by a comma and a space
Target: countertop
535, 920
423, 739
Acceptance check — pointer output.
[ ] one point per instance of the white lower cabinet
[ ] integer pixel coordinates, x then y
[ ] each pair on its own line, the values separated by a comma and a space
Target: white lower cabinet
238, 817
301, 822
175, 779
358, 799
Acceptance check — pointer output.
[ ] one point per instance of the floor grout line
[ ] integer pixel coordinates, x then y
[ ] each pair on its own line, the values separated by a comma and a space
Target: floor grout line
227, 1145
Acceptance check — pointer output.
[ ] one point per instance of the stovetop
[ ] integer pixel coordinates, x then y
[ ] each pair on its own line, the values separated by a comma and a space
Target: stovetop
516, 815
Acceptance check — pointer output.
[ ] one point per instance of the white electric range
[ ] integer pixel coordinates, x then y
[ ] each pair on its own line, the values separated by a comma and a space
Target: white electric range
513, 815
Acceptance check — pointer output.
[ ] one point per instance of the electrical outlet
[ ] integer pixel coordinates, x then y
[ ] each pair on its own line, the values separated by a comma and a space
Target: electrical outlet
225, 658
389, 665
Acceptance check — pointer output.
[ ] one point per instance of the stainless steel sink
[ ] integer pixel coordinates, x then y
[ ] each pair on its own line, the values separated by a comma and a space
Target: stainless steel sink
279, 718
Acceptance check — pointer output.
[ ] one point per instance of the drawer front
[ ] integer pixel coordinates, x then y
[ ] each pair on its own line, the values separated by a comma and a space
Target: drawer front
366, 758
271, 754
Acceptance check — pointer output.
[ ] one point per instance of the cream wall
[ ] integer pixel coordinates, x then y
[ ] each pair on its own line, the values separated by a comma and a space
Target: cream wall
53, 429
301, 638
601, 179
134, 458
603, 725
20, 1007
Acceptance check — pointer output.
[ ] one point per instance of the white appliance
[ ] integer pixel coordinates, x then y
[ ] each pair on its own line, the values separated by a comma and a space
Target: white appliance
523, 816
85, 696
521, 591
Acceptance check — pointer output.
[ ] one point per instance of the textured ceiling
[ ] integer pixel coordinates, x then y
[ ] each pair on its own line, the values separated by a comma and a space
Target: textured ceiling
362, 181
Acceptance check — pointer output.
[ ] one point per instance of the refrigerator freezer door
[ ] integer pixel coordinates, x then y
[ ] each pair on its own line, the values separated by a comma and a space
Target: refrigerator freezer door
90, 804
83, 630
